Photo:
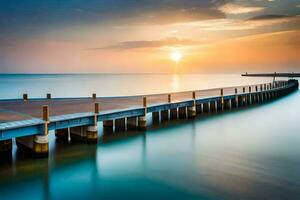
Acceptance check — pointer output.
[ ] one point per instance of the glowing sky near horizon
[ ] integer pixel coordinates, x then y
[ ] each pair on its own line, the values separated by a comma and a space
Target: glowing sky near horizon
131, 36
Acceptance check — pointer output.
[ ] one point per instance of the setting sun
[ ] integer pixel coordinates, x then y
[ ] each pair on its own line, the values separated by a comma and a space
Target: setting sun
176, 56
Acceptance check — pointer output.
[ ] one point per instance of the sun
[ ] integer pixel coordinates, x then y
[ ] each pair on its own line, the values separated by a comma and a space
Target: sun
176, 56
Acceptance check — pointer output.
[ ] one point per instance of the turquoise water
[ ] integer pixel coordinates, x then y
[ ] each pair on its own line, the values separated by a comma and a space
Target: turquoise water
245, 154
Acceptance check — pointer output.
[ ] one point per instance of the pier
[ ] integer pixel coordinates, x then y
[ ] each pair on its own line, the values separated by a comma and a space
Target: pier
29, 120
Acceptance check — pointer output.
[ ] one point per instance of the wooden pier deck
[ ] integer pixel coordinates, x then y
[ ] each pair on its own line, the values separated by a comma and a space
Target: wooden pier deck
17, 109
23, 118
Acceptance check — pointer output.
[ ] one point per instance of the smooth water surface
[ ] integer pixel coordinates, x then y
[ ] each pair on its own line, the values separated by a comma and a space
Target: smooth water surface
244, 154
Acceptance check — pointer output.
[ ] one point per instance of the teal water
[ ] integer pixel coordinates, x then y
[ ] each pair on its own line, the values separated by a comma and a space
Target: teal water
245, 154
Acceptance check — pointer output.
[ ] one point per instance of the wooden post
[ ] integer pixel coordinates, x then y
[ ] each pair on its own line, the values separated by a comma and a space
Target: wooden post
46, 118
145, 102
194, 95
169, 98
142, 120
192, 109
46, 113
96, 108
94, 96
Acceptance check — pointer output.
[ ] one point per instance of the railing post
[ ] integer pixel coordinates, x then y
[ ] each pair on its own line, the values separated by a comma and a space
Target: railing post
46, 114
40, 142
192, 109
142, 120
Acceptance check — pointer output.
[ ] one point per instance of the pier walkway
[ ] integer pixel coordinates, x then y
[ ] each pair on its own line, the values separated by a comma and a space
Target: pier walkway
30, 120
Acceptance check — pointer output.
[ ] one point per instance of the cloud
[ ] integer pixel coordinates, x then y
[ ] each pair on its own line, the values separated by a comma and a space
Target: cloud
261, 21
269, 17
36, 16
231, 8
150, 44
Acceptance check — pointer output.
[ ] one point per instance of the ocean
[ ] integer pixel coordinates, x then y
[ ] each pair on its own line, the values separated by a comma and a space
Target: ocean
252, 153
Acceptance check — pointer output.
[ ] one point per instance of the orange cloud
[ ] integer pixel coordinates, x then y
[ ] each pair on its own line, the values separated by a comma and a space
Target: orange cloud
231, 8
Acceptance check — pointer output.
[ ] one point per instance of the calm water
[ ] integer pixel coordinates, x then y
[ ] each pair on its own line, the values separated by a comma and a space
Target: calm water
247, 154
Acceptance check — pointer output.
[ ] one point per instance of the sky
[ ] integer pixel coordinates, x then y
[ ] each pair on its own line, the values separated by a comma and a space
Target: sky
139, 36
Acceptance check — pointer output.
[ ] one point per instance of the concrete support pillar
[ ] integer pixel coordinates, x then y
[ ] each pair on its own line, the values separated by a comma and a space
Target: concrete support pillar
230, 104
209, 106
216, 106
5, 148
244, 97
199, 108
192, 112
164, 115
212, 106
91, 134
142, 123
37, 144
155, 118
41, 145
257, 98
131, 123
192, 109
236, 98
174, 113
142, 120
62, 134
222, 99
120, 125
182, 112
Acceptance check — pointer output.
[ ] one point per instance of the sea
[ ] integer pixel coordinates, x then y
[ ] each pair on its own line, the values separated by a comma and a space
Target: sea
244, 154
